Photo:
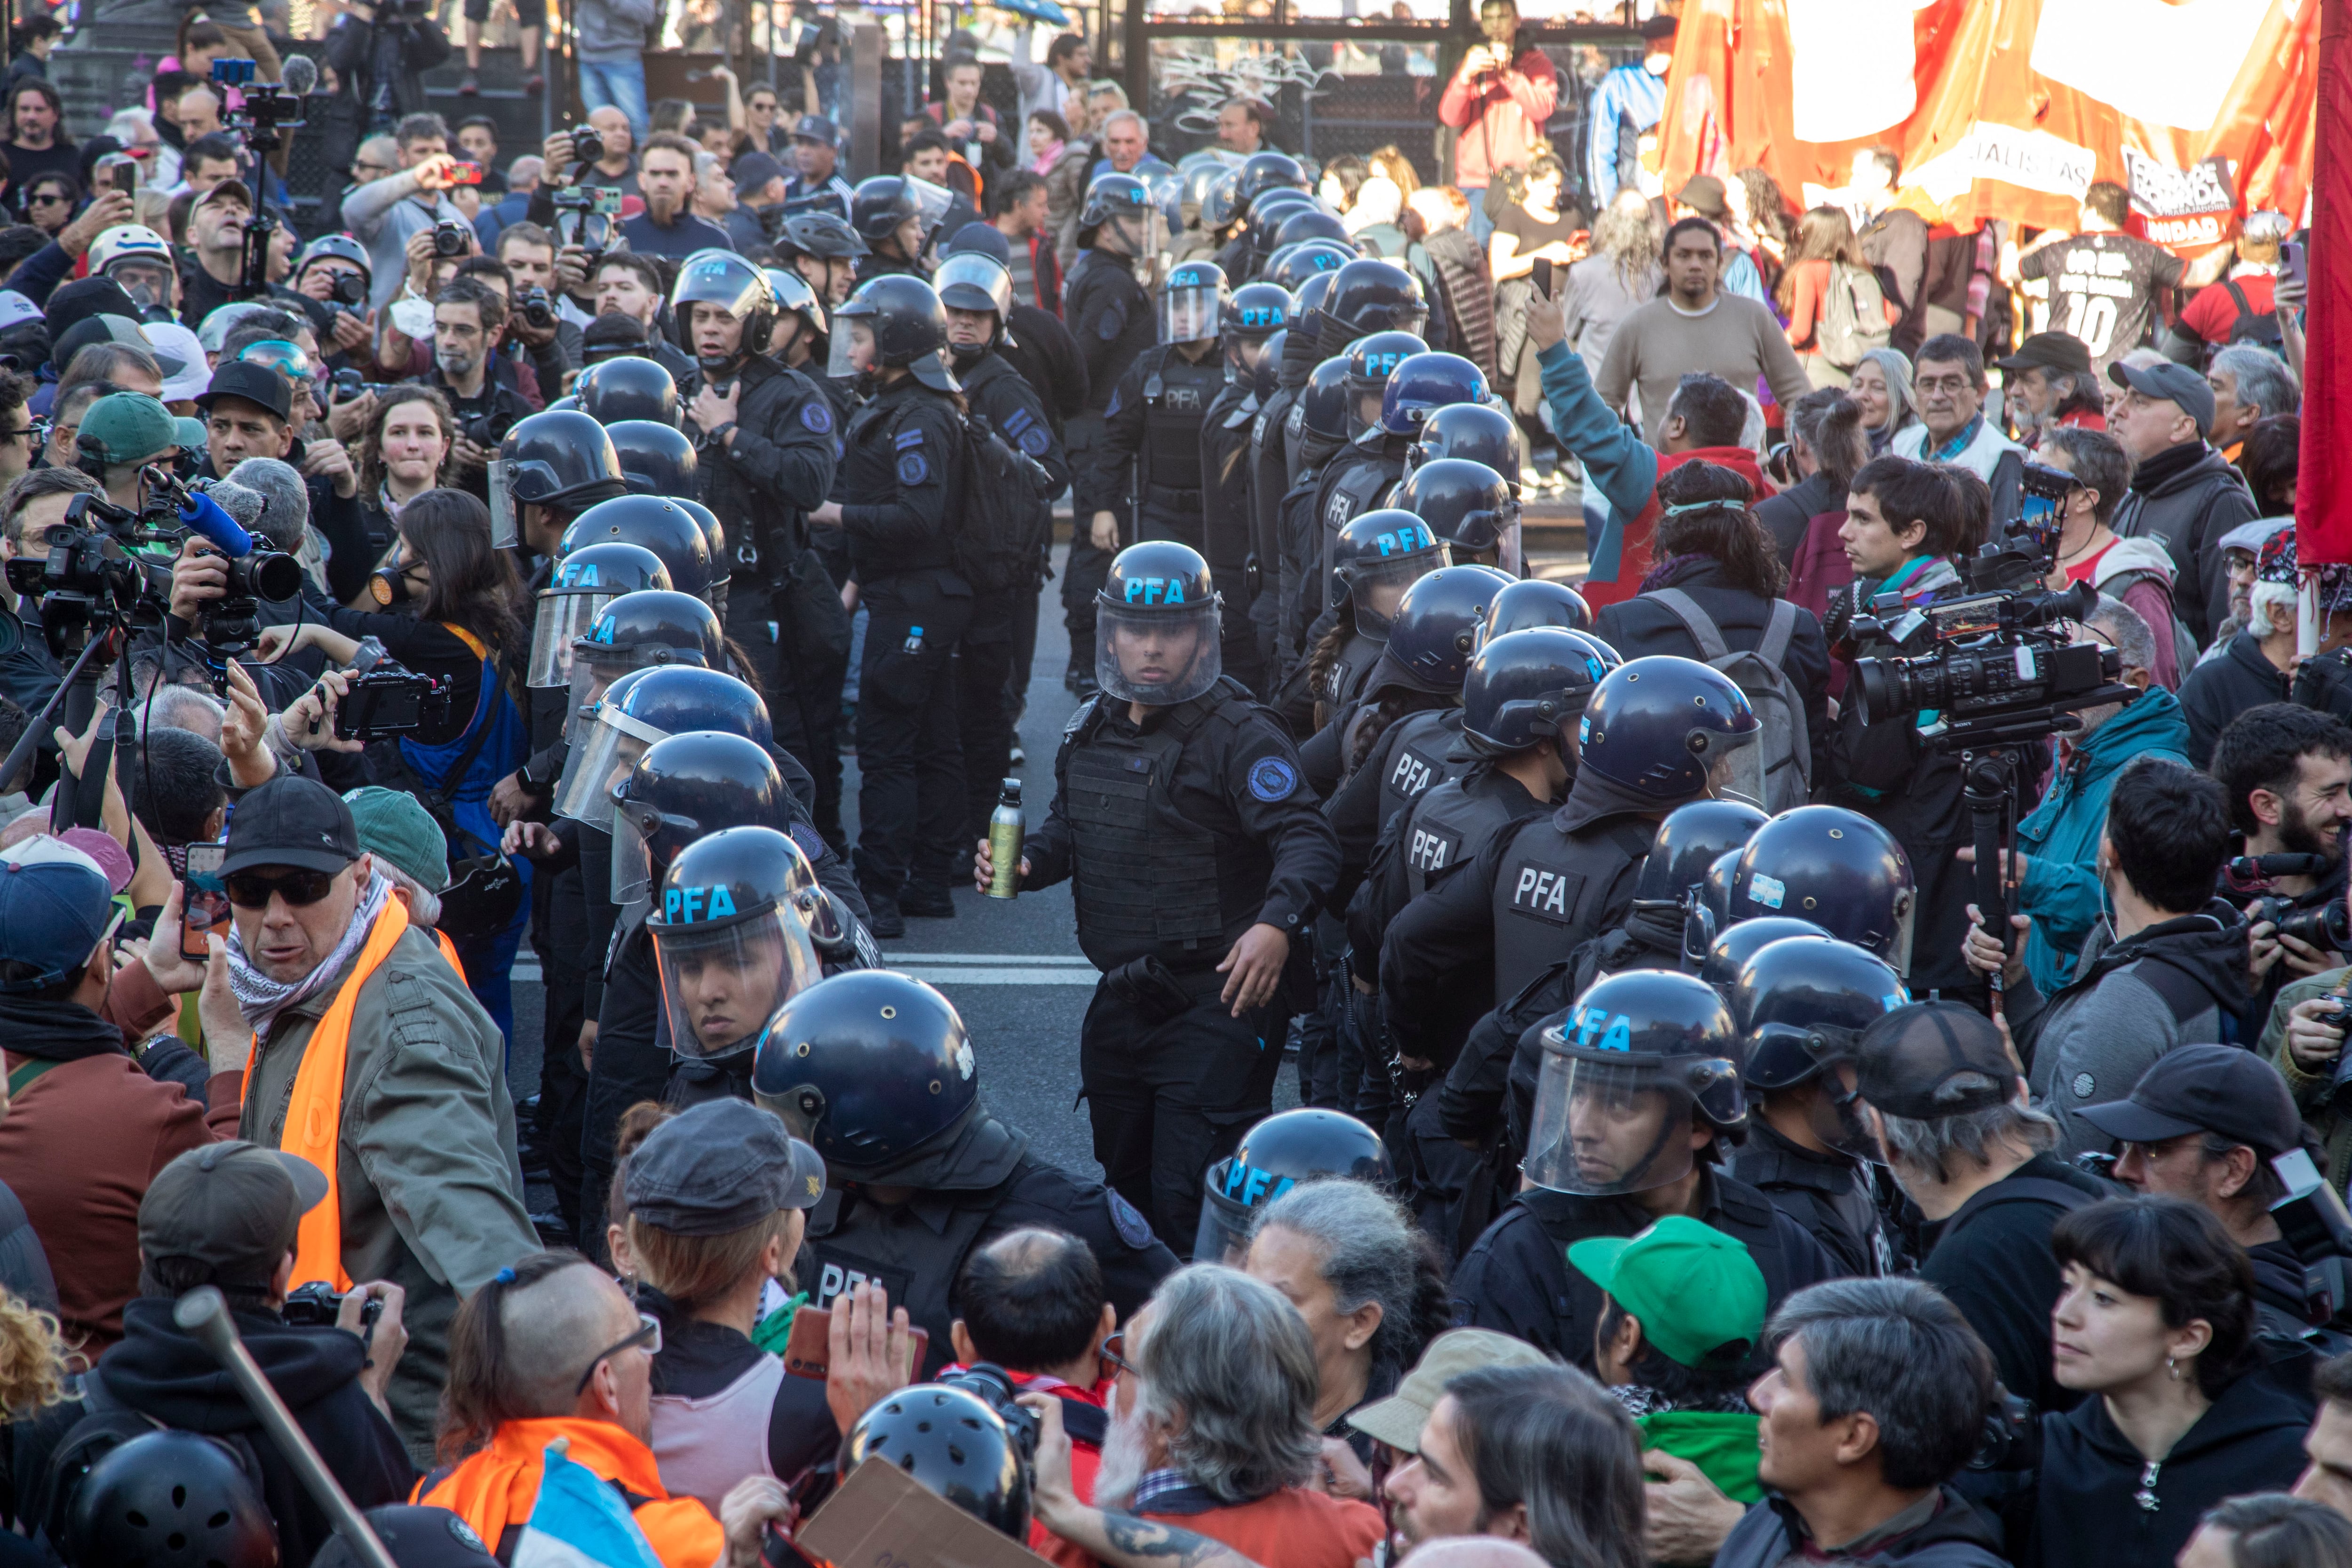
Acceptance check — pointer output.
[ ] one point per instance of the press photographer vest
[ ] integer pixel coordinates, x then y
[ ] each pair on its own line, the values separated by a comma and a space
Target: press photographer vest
1551, 892
1450, 825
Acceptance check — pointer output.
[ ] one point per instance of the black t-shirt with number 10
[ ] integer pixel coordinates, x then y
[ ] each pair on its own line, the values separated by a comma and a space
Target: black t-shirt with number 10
2102, 290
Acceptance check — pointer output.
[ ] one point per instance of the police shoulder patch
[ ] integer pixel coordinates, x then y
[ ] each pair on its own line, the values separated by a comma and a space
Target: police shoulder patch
907, 438
1033, 441
1128, 1221
1113, 322
1079, 715
1272, 779
816, 416
913, 470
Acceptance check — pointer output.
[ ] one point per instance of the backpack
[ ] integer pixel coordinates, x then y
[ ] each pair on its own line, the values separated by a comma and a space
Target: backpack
999, 524
2261, 330
2184, 651
1787, 746
1853, 316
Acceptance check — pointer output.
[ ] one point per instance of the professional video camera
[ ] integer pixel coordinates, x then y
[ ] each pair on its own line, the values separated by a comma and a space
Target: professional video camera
2002, 673
89, 583
268, 110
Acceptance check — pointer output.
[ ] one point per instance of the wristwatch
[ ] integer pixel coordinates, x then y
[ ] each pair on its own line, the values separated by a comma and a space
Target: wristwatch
719, 434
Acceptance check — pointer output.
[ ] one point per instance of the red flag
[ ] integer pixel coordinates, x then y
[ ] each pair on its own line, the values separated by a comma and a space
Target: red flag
2323, 511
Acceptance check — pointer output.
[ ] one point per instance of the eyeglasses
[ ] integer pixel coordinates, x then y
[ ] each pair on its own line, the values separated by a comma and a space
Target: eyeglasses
648, 1334
1944, 383
1114, 1350
23, 432
48, 198
299, 889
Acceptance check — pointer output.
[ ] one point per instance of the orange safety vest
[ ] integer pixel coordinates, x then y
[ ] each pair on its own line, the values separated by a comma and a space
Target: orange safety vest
449, 952
494, 1490
314, 1116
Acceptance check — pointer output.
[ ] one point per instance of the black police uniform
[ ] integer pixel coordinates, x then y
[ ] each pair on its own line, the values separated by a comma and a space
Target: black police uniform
985, 661
904, 461
1357, 481
1151, 452
778, 468
1180, 834
1111, 316
1517, 1278
982, 1183
1267, 474
1828, 1195
1226, 529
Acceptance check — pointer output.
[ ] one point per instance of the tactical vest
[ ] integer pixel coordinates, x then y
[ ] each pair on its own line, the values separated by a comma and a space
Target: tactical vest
1422, 754
1349, 492
895, 1248
1226, 517
1831, 1204
1269, 475
1551, 890
1176, 397
1450, 825
1148, 880
1344, 683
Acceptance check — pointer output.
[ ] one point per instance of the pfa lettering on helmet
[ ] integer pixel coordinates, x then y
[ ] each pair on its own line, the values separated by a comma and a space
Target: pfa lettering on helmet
1599, 1029
577, 574
684, 906
1249, 1187
1255, 318
606, 630
1406, 539
1155, 590
1192, 277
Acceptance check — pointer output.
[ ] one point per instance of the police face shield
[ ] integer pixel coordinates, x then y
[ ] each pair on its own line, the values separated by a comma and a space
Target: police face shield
721, 984
1144, 234
1377, 585
595, 666
1223, 1234
1188, 315
564, 617
1735, 768
1489, 539
1603, 1128
505, 534
608, 749
1157, 657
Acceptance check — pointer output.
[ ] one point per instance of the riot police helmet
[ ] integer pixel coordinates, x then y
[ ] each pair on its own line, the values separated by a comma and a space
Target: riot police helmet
1265, 378
1624, 1069
825, 234
1735, 945
1836, 868
1376, 557
1199, 178
630, 388
1527, 688
1312, 223
714, 538
727, 283
1218, 208
971, 281
1671, 728
794, 297
561, 459
1323, 401
1802, 1003
955, 1444
1372, 358
879, 206
1477, 431
657, 458
1308, 296
583, 583
1692, 838
1274, 1156
893, 322
867, 1068
1251, 316
1267, 213
682, 789
1538, 602
1124, 203
641, 709
1436, 631
1191, 303
1471, 506
1423, 383
170, 1500
1370, 295
1156, 626
1264, 171
1315, 257
657, 522
732, 937
637, 631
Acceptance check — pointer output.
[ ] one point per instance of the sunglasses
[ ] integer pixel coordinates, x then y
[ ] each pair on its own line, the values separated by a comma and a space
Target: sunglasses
648, 1334
247, 890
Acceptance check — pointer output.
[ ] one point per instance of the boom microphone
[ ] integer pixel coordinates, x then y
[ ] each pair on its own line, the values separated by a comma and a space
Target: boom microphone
301, 76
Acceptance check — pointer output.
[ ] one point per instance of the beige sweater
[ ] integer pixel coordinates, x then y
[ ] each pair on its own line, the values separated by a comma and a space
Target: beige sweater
1658, 344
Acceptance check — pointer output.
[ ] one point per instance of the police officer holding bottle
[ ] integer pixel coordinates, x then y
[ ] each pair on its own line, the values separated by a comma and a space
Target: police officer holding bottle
1199, 858
901, 472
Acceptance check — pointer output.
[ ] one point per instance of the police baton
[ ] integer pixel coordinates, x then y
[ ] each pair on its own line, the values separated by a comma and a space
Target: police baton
203, 1312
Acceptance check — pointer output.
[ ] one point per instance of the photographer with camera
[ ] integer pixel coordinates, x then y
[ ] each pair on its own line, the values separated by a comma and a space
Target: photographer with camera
380, 53
34, 503
334, 276
2168, 967
1907, 523
385, 213
469, 321
230, 1216
2287, 771
120, 435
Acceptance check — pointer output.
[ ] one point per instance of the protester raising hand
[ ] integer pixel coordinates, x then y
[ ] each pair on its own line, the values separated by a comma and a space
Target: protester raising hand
868, 1352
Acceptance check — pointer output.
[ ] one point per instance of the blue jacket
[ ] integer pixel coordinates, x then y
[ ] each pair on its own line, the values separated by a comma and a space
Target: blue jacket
1617, 462
2061, 838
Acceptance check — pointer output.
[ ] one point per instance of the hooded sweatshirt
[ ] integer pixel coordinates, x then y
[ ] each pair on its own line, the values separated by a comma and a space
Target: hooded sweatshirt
2179, 982
2250, 1441
2141, 572
2061, 838
164, 1373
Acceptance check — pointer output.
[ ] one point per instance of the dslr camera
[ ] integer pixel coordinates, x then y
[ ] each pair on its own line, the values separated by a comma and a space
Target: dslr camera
451, 237
349, 290
317, 1305
349, 384
486, 430
2325, 926
2002, 670
994, 1388
587, 146
387, 699
532, 303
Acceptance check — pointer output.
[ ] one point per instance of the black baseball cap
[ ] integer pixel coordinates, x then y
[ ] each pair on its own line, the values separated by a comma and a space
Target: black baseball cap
416, 1536
292, 821
235, 1207
254, 382
1905, 1062
2221, 1090
2049, 351
815, 128
718, 1167
2169, 383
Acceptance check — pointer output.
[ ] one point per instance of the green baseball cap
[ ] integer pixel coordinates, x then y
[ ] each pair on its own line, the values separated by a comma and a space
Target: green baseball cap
128, 427
1693, 1287
399, 829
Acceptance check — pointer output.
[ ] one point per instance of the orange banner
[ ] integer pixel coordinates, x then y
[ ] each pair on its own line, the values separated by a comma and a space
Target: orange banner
2200, 108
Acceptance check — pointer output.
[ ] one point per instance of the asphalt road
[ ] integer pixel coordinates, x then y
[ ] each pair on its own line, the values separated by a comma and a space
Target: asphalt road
1012, 969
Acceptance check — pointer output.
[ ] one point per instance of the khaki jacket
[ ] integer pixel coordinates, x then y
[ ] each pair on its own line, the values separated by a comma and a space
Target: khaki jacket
2311, 1092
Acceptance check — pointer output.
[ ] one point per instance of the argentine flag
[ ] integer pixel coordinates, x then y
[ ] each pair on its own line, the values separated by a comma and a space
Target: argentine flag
579, 1521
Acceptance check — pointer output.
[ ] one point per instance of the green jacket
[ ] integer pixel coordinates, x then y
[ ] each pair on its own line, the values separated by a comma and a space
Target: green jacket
1723, 1444
429, 1178
2311, 1092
